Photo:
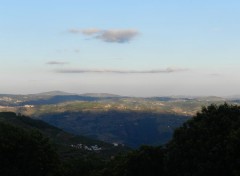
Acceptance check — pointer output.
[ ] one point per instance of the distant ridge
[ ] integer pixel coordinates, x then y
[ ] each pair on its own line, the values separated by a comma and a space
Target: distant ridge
109, 95
100, 95
62, 93
233, 97
54, 93
211, 98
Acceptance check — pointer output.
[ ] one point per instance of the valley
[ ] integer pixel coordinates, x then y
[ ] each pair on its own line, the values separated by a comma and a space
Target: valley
130, 121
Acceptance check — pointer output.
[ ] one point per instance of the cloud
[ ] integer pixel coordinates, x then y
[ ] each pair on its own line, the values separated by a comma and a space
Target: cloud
167, 70
118, 36
111, 35
90, 31
56, 63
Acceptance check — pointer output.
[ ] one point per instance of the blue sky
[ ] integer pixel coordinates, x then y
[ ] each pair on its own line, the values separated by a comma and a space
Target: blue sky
127, 47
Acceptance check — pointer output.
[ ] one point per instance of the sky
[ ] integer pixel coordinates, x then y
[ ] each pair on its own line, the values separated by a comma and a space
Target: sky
128, 47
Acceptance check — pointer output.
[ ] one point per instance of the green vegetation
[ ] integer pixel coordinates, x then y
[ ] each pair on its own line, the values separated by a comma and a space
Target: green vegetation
26, 152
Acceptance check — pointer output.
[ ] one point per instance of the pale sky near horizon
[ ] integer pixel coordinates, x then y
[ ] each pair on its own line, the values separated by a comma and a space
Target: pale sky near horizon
127, 47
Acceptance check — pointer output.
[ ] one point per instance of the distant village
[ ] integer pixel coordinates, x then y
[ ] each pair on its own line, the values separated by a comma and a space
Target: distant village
93, 147
85, 147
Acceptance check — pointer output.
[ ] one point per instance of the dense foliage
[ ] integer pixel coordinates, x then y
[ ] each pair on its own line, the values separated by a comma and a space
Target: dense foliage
25, 153
146, 161
208, 144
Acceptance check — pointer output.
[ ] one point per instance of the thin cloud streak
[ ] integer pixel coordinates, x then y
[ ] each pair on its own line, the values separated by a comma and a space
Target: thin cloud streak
56, 63
79, 71
110, 36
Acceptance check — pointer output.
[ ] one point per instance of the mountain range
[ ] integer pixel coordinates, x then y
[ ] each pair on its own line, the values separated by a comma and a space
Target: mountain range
131, 121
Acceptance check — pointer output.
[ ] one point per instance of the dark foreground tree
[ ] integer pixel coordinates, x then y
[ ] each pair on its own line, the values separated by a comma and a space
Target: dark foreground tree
147, 161
208, 144
25, 153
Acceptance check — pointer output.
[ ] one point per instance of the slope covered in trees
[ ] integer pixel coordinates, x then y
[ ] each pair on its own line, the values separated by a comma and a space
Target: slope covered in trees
66, 143
26, 153
208, 145
132, 128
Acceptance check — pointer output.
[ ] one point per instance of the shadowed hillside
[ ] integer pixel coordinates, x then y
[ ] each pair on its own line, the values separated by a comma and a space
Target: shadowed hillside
68, 144
125, 127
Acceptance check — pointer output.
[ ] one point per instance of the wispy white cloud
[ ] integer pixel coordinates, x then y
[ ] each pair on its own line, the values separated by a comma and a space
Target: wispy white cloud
167, 70
56, 63
110, 35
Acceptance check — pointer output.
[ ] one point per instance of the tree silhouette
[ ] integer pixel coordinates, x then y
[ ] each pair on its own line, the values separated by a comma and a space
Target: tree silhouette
145, 161
208, 144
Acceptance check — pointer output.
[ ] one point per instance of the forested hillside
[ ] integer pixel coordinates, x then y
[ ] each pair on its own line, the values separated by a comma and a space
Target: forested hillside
207, 144
131, 128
